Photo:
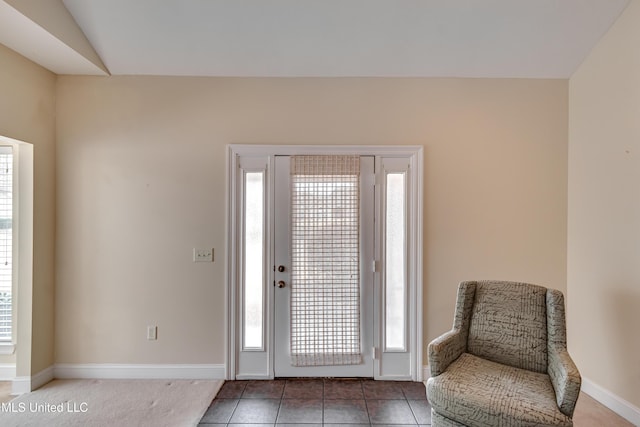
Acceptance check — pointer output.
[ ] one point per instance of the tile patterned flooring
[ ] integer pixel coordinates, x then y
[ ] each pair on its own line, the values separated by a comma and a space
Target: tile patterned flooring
315, 402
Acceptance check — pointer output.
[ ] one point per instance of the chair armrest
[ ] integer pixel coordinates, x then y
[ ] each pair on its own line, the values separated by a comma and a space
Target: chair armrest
563, 372
565, 379
445, 349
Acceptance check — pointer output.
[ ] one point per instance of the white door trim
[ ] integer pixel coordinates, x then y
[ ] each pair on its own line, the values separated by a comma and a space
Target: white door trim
234, 151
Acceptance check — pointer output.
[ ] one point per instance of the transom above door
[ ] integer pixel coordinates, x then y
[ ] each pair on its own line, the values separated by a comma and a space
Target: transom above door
323, 250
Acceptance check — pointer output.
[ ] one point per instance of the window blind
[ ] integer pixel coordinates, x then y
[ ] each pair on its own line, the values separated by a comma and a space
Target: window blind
325, 269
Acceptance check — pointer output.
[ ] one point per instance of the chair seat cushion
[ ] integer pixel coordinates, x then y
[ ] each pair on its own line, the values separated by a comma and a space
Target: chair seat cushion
478, 392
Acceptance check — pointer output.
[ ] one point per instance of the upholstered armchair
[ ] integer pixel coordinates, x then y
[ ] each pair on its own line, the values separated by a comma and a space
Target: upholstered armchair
505, 362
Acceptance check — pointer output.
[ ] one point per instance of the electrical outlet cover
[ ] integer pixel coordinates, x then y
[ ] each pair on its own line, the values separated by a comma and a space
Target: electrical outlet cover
202, 255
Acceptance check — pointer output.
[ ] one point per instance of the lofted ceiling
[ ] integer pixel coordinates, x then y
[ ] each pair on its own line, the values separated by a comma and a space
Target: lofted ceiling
300, 38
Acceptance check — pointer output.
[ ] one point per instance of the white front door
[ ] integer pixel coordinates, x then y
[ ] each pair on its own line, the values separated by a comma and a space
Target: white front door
323, 252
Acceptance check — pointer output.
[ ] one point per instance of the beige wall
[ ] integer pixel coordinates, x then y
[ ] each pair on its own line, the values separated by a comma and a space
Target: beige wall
141, 181
27, 103
604, 211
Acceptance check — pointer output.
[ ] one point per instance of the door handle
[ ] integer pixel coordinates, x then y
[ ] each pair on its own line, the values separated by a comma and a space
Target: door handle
281, 284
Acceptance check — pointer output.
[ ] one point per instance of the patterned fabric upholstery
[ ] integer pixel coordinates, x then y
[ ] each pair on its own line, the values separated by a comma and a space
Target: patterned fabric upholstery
509, 325
563, 372
505, 362
479, 392
448, 347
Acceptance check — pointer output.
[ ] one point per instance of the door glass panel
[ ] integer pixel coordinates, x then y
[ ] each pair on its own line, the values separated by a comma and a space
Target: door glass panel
325, 269
253, 259
395, 262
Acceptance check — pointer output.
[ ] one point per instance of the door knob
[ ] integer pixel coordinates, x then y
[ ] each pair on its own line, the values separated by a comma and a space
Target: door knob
281, 268
281, 284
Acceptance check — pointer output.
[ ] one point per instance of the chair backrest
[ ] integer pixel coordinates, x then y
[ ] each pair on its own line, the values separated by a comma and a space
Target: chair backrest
509, 324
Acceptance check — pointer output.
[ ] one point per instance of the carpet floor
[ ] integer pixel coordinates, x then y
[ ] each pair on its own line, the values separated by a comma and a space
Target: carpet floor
98, 403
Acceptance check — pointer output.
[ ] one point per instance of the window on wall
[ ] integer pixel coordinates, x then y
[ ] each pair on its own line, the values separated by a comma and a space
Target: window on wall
6, 243
395, 261
254, 242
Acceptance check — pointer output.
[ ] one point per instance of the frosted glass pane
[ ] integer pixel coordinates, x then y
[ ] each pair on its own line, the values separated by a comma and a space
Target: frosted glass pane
253, 259
395, 262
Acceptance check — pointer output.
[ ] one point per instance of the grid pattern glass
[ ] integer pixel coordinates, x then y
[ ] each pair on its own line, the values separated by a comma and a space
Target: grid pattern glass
325, 252
6, 242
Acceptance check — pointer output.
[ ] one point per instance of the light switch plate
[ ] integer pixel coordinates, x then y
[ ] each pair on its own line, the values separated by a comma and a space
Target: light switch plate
202, 255
152, 333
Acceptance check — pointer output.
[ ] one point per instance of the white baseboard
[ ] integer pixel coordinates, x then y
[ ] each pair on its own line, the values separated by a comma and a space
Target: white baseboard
27, 384
23, 385
140, 371
42, 377
618, 405
7, 371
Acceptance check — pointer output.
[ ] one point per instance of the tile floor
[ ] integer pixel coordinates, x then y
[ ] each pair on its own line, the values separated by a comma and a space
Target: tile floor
314, 402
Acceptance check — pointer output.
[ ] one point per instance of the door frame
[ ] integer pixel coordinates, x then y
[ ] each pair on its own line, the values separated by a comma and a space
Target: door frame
414, 157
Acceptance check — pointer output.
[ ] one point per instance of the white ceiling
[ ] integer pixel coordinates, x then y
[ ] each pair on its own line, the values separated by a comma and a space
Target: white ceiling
387, 38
